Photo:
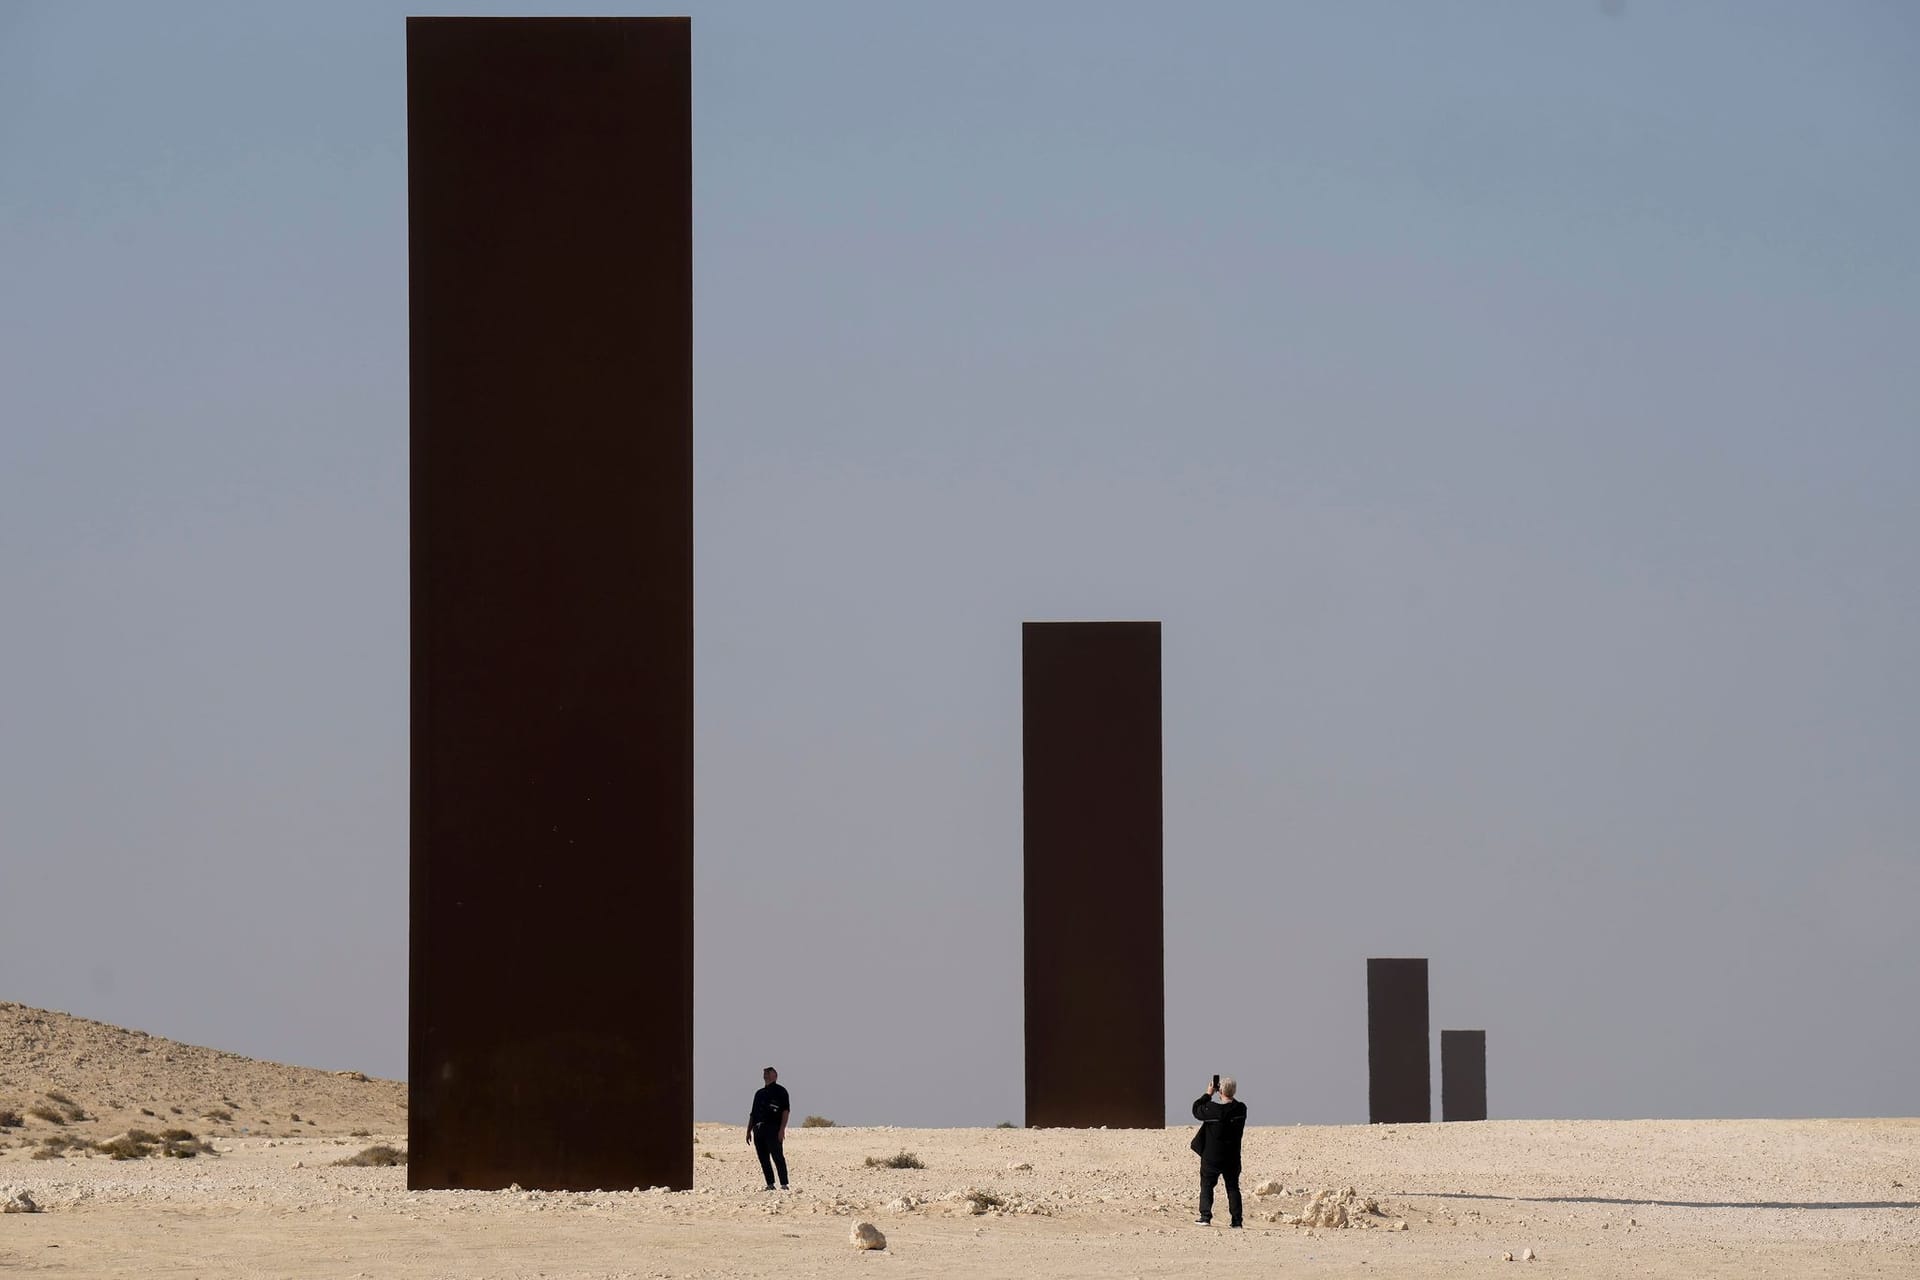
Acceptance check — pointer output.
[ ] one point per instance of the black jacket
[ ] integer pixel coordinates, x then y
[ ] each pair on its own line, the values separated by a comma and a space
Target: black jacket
770, 1104
1222, 1126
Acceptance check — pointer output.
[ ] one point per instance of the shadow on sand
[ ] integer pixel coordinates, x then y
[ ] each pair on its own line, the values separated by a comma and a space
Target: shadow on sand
1669, 1204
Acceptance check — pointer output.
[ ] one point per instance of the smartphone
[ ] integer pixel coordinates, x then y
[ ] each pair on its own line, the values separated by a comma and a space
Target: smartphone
1216, 1084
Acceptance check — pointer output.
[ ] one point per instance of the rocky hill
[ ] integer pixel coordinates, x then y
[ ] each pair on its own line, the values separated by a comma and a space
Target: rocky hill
65, 1075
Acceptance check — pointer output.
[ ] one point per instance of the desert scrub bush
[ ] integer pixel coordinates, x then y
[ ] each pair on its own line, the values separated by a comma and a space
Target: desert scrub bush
905, 1160
68, 1107
55, 1146
363, 1133
139, 1144
125, 1148
378, 1155
41, 1111
219, 1115
985, 1200
816, 1122
1006, 1124
10, 1119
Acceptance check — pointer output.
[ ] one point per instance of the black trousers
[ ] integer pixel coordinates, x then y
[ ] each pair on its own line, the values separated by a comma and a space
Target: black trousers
773, 1155
1210, 1174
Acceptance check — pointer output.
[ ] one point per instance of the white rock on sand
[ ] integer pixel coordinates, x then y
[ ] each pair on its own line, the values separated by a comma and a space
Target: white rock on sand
867, 1236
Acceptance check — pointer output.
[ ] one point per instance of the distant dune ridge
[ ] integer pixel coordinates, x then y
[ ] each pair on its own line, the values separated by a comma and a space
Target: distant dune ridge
118, 1079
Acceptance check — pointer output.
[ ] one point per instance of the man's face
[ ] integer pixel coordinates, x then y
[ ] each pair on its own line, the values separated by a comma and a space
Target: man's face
769, 1075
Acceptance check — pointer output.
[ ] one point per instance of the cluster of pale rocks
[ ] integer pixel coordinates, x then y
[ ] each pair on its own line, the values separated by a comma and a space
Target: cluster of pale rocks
965, 1202
1342, 1209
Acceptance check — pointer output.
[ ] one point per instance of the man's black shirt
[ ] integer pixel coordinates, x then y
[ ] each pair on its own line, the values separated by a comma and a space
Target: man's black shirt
1224, 1123
769, 1104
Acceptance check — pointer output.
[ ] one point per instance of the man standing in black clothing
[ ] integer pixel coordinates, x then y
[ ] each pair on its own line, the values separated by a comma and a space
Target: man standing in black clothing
767, 1128
1222, 1123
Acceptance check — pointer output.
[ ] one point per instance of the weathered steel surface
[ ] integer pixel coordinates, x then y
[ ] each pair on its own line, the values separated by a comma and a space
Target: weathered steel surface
1463, 1075
1399, 1070
551, 1011
1095, 967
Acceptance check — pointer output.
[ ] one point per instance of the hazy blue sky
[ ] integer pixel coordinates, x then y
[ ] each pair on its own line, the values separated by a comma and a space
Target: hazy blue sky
1511, 409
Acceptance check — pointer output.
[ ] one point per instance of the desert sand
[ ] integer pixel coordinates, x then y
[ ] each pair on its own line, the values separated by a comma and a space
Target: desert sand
1760, 1198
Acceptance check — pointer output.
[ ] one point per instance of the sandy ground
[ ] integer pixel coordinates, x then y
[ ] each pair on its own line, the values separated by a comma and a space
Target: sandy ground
1760, 1198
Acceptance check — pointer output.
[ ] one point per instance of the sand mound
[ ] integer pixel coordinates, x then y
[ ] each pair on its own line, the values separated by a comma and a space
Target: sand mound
62, 1075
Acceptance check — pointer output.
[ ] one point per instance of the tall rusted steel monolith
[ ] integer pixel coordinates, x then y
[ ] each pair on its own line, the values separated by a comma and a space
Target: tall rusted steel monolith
551, 1001
1399, 1070
1463, 1075
1095, 965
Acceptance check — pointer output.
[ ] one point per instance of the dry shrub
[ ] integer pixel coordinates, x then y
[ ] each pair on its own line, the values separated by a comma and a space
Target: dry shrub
41, 1111
905, 1160
68, 1107
219, 1115
10, 1119
816, 1122
138, 1144
1006, 1124
377, 1156
985, 1200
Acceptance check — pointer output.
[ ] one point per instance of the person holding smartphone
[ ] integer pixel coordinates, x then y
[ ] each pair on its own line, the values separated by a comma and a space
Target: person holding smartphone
1223, 1121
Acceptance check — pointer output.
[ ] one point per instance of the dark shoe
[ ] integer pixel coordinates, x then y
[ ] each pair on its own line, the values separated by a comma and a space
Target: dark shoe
1233, 1226
1203, 1222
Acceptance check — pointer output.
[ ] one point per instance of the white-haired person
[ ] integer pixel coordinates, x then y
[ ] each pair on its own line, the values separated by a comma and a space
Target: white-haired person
1223, 1121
